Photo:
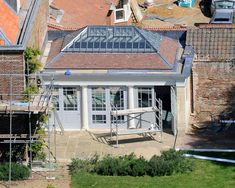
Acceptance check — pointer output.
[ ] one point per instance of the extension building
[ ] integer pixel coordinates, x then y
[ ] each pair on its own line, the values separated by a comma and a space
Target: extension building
96, 67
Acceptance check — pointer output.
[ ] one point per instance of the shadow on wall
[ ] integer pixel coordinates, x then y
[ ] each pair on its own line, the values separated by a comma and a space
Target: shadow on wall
20, 126
215, 131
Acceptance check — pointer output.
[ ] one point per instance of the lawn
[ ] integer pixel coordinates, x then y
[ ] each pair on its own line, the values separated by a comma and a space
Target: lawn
206, 174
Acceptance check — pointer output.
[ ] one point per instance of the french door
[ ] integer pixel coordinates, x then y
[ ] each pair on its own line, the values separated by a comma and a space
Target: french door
103, 99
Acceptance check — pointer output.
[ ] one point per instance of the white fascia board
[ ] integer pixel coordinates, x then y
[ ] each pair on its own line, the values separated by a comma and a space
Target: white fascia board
107, 83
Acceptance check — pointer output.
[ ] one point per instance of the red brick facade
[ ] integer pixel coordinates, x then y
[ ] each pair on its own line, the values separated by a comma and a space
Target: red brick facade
11, 63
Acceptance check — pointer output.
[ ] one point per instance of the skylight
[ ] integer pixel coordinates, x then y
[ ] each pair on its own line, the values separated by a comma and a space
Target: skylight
118, 39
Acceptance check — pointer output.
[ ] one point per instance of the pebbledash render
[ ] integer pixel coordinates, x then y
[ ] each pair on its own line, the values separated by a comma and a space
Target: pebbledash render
97, 66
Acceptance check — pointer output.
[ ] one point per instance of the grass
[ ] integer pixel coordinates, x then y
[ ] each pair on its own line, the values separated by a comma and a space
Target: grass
206, 174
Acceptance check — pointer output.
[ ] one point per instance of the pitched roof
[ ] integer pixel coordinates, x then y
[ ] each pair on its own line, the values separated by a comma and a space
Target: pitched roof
112, 39
9, 22
130, 48
107, 61
79, 13
212, 42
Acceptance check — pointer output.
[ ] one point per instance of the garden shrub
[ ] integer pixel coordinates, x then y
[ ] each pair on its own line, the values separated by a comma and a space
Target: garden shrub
86, 165
107, 166
159, 167
122, 166
140, 167
169, 162
18, 171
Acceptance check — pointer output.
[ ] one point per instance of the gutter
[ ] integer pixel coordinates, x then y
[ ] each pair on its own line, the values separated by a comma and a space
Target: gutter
12, 48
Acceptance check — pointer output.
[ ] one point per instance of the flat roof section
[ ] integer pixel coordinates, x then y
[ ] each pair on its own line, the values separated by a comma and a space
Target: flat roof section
166, 13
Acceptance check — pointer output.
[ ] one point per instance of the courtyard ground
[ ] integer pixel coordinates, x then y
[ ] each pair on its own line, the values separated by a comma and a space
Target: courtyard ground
166, 13
85, 144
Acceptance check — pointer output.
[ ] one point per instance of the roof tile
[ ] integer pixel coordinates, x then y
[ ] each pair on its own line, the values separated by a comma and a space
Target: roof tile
107, 61
212, 43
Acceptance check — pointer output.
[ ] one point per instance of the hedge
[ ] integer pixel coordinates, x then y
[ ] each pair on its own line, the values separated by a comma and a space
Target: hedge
169, 162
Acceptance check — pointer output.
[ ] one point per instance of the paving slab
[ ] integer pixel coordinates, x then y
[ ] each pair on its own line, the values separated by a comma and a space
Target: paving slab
85, 144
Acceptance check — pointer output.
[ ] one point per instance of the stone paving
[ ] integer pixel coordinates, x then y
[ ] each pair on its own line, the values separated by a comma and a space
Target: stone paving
85, 144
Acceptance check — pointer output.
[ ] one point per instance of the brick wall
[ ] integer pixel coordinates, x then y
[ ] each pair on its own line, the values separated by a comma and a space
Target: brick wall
11, 63
213, 90
39, 29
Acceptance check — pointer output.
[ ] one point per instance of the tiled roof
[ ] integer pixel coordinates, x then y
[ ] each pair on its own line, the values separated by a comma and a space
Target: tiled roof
162, 55
107, 61
212, 42
79, 13
9, 22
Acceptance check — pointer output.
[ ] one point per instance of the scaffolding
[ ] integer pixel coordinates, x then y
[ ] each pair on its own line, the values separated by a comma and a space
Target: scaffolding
136, 114
27, 104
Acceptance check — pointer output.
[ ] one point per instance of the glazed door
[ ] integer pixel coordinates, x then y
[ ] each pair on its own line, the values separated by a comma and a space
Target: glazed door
103, 99
146, 99
67, 104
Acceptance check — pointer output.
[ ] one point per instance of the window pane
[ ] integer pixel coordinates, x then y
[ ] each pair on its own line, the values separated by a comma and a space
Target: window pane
118, 119
109, 45
129, 45
120, 14
135, 45
70, 98
84, 44
117, 103
145, 97
77, 44
90, 45
122, 45
96, 45
99, 118
142, 45
117, 98
98, 99
116, 45
103, 45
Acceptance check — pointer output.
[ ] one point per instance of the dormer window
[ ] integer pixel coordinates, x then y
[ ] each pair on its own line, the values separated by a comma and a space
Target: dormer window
122, 11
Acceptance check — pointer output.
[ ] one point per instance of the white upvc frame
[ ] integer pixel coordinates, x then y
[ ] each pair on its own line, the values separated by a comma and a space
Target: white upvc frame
126, 13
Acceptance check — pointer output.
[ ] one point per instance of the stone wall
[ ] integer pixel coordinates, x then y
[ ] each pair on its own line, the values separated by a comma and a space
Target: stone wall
11, 63
213, 90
